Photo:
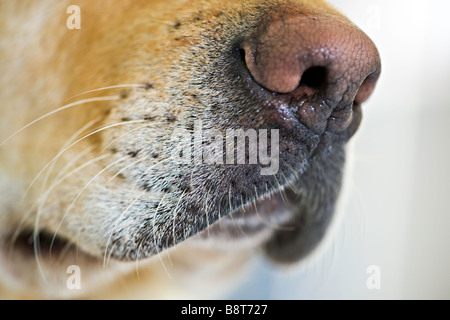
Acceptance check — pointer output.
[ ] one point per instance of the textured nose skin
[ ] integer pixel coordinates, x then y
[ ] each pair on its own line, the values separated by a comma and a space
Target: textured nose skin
325, 58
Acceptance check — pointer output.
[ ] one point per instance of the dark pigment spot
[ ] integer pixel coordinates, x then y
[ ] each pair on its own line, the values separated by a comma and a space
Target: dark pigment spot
134, 154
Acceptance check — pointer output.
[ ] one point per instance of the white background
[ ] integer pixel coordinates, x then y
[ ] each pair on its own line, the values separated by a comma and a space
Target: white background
396, 213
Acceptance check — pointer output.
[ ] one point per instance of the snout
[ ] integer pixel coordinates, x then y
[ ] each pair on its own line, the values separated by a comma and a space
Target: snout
321, 67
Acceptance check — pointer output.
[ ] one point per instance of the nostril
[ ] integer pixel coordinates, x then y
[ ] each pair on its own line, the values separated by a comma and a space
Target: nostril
314, 63
366, 88
243, 52
242, 55
278, 81
314, 77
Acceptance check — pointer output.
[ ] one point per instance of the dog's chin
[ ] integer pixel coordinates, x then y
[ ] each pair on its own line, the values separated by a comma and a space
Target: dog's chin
38, 264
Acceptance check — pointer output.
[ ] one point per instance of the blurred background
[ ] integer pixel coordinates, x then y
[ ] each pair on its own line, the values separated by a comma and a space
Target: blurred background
393, 238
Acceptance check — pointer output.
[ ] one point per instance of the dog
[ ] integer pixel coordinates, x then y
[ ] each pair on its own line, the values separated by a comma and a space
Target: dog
152, 148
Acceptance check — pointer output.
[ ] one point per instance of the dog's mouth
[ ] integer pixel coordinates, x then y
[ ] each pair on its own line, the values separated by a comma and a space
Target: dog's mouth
254, 219
40, 264
42, 243
43, 248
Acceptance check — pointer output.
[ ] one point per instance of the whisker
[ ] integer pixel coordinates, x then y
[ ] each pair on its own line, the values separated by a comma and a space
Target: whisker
267, 223
108, 88
147, 170
72, 163
89, 183
229, 199
127, 133
282, 193
123, 169
61, 180
20, 227
44, 195
175, 216
206, 212
134, 187
220, 217
163, 264
289, 183
169, 258
76, 142
63, 252
296, 174
78, 196
256, 207
242, 205
231, 209
37, 251
105, 260
139, 245
69, 141
126, 168
154, 239
68, 106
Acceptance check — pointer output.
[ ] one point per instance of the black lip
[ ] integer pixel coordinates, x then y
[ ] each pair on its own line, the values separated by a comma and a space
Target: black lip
44, 243
268, 212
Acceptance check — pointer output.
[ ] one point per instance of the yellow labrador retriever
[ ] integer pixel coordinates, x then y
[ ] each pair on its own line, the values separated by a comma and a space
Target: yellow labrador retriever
150, 148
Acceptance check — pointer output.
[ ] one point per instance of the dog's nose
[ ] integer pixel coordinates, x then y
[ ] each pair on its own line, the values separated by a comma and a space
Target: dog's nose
324, 59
